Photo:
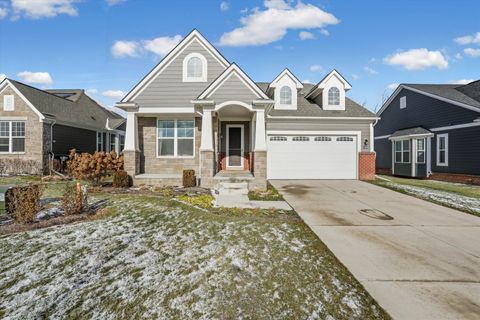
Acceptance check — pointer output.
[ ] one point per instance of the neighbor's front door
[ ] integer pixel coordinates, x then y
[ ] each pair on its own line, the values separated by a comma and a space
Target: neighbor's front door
235, 146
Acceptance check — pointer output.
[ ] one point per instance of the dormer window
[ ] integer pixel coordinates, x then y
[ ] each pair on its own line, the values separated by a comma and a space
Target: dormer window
285, 95
334, 96
194, 68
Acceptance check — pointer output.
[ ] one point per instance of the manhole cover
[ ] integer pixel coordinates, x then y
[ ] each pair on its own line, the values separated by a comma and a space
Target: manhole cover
375, 214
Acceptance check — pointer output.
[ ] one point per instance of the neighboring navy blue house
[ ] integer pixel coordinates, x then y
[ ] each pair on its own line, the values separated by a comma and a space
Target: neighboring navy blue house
429, 128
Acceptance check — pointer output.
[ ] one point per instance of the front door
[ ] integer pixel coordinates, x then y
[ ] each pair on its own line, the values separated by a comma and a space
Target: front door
235, 146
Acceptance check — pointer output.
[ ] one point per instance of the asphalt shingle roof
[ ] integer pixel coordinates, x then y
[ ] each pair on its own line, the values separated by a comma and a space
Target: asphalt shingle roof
467, 94
308, 108
410, 131
77, 109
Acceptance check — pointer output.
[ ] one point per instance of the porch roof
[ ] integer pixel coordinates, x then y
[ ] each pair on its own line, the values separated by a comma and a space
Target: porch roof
411, 132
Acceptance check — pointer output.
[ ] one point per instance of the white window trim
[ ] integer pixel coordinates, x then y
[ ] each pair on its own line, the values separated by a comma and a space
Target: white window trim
403, 102
291, 96
402, 151
10, 138
439, 136
420, 150
175, 139
339, 98
203, 78
101, 141
5, 99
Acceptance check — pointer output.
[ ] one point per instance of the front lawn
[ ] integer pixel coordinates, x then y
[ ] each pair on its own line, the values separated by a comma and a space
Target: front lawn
151, 257
271, 194
453, 195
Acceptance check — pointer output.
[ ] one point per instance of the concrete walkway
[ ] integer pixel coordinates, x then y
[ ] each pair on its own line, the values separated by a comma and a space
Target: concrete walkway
417, 259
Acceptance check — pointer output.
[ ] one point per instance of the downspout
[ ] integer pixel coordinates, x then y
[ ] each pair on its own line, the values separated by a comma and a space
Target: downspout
51, 145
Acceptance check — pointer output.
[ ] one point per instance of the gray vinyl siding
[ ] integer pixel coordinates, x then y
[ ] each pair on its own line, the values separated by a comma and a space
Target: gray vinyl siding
233, 89
168, 88
403, 169
322, 125
66, 138
246, 135
463, 151
421, 170
383, 148
427, 112
421, 111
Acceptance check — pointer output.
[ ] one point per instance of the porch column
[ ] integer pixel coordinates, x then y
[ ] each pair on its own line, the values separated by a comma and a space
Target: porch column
206, 143
260, 135
207, 159
131, 138
260, 152
131, 152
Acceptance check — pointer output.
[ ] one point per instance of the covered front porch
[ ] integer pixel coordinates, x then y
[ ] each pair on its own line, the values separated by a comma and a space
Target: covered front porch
233, 137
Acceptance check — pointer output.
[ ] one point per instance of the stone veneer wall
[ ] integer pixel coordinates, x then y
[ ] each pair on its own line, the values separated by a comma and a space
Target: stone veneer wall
259, 171
366, 166
33, 158
207, 170
149, 163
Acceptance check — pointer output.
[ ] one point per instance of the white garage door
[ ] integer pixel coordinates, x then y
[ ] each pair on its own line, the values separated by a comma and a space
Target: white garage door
312, 157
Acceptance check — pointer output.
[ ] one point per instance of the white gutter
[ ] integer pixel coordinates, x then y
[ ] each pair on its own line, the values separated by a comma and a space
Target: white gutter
323, 118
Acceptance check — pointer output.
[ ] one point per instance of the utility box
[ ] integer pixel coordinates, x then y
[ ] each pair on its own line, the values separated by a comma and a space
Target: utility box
3, 198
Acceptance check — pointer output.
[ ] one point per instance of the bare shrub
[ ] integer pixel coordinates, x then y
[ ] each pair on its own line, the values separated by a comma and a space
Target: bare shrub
121, 179
93, 167
23, 202
188, 180
72, 199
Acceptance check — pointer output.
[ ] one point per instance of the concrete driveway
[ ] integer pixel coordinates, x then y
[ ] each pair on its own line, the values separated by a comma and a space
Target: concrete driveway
417, 259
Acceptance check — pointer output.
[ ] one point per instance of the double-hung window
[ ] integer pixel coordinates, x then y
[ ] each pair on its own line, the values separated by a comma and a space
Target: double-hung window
99, 141
402, 151
421, 150
12, 136
112, 142
442, 149
176, 138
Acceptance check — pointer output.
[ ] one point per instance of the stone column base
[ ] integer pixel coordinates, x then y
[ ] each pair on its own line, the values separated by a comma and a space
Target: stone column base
131, 162
366, 166
207, 168
259, 171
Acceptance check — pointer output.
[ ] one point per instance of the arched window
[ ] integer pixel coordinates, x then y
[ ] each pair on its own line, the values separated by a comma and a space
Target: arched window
333, 96
195, 68
285, 95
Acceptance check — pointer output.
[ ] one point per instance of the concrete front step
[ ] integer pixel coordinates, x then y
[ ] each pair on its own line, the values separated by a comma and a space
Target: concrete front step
232, 188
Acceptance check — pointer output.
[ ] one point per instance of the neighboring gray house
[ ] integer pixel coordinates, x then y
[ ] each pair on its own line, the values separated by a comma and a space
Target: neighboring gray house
36, 125
196, 110
430, 129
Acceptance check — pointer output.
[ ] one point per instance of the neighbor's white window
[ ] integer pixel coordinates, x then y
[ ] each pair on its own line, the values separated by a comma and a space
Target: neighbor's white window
8, 103
195, 68
402, 151
421, 150
12, 136
334, 96
99, 141
403, 102
112, 142
442, 149
285, 95
176, 138
122, 143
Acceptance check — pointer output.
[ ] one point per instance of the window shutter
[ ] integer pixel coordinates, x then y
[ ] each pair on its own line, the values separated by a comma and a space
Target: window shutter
8, 103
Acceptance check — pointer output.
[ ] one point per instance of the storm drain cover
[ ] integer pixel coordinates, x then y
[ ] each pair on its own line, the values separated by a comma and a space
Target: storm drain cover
375, 214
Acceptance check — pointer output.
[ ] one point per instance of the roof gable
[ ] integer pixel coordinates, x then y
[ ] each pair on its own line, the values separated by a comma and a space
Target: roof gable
317, 89
194, 35
233, 70
7, 83
286, 73
475, 106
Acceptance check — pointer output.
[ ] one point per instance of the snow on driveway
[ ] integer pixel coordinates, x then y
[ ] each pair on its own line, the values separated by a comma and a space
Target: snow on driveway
157, 260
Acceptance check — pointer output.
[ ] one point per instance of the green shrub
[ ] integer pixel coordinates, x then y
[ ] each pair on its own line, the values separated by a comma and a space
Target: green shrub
188, 178
23, 202
72, 199
202, 201
121, 179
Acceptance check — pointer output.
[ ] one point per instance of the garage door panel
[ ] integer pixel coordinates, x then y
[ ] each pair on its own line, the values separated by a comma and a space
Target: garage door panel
321, 157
